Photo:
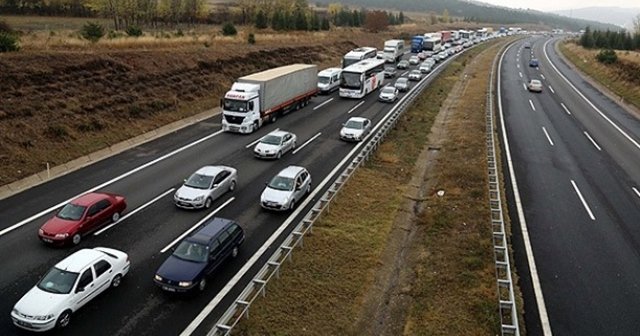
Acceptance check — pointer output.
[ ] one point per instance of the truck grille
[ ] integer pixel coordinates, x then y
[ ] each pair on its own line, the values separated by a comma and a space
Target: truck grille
233, 119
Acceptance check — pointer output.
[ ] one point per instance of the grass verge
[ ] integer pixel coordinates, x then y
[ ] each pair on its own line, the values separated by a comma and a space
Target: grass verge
322, 291
615, 77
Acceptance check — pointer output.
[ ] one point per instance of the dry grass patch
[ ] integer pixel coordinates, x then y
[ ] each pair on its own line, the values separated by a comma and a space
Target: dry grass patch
322, 291
623, 78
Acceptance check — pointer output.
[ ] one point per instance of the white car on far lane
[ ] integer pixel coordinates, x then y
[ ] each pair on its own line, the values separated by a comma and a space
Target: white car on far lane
274, 144
68, 286
205, 186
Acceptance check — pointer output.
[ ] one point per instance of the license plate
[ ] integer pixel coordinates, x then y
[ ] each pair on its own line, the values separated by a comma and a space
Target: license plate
47, 240
234, 129
168, 289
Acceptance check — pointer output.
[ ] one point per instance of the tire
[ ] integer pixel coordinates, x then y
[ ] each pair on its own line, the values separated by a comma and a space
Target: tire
279, 155
75, 240
309, 189
294, 145
292, 205
115, 282
207, 203
64, 319
234, 252
255, 127
232, 187
115, 217
202, 284
274, 117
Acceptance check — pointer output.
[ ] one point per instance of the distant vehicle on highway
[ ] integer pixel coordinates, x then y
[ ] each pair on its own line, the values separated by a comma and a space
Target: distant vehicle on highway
355, 129
81, 216
286, 189
356, 55
422, 55
414, 60
275, 144
402, 64
389, 72
68, 286
393, 50
527, 45
425, 68
199, 255
205, 186
534, 63
329, 80
388, 94
415, 75
535, 85
402, 84
358, 80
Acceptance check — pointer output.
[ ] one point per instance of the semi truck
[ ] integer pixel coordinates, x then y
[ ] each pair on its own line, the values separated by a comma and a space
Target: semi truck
417, 44
393, 50
264, 96
446, 36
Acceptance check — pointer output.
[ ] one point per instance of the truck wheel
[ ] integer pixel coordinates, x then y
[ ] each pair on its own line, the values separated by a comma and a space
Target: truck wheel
274, 117
255, 127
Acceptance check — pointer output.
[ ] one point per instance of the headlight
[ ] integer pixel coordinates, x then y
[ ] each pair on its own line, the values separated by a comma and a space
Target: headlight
157, 277
41, 232
199, 198
175, 196
185, 283
43, 317
62, 235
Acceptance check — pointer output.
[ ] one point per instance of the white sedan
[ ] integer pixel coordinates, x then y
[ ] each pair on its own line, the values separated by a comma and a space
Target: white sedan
205, 186
388, 94
415, 75
355, 129
68, 286
286, 189
274, 144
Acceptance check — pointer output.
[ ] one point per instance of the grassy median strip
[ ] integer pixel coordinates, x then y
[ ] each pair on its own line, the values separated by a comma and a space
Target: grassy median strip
621, 78
322, 291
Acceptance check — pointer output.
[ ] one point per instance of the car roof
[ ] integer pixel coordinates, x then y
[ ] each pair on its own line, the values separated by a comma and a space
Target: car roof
88, 199
329, 71
211, 170
279, 133
210, 230
536, 81
360, 119
291, 171
79, 260
403, 79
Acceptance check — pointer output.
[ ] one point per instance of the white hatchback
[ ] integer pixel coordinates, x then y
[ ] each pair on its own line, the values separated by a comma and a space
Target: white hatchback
205, 186
286, 189
274, 144
68, 286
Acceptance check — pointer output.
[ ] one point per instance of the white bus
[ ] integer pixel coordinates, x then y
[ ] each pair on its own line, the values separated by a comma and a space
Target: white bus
358, 54
433, 44
357, 80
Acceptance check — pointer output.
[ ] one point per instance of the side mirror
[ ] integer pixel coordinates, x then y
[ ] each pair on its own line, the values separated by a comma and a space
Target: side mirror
215, 185
185, 180
80, 290
221, 102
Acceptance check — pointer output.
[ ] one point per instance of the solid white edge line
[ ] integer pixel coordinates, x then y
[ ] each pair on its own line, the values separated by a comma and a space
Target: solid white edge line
307, 142
206, 218
551, 88
565, 108
584, 202
533, 270
254, 258
592, 141
258, 139
127, 174
138, 209
636, 191
547, 134
355, 107
633, 141
323, 104
531, 103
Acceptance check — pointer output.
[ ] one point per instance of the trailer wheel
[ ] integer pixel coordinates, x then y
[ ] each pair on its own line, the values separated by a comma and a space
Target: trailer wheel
274, 117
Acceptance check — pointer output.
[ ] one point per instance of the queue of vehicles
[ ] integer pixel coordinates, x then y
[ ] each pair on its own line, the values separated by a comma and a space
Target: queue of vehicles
252, 101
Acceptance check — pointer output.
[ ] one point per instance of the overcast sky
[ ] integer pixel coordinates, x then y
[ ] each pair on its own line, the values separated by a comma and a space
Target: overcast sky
550, 5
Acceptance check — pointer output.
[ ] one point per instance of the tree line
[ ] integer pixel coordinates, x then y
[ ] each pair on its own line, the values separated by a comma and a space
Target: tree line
620, 40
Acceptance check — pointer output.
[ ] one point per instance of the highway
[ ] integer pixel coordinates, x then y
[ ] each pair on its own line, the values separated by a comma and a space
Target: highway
147, 175
576, 160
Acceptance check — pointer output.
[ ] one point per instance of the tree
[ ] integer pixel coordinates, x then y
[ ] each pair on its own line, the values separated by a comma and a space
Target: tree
325, 24
445, 16
300, 20
8, 42
401, 18
228, 29
586, 40
376, 21
261, 20
92, 31
636, 24
607, 56
251, 39
314, 22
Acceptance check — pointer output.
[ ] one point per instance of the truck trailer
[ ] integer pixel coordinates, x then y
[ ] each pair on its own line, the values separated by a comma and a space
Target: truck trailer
264, 96
446, 36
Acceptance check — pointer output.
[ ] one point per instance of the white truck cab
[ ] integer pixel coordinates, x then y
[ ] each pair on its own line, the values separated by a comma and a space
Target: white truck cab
241, 107
329, 80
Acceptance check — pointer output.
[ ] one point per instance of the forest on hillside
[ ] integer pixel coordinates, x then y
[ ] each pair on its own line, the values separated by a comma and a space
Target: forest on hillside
477, 12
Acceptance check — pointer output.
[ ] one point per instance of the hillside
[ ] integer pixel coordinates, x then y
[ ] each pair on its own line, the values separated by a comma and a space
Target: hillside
478, 11
613, 15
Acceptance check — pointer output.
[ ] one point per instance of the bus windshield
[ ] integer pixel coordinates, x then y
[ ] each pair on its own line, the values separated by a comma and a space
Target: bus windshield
351, 80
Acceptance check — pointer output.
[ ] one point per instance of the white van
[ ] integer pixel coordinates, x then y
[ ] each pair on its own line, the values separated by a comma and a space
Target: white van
329, 80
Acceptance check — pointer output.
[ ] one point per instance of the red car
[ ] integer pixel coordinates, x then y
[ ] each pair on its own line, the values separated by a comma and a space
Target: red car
81, 216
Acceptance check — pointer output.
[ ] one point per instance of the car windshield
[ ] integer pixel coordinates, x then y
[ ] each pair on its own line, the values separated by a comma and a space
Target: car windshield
354, 124
281, 183
235, 105
191, 251
271, 139
389, 69
58, 281
71, 212
415, 72
402, 81
387, 89
403, 63
199, 181
323, 80
536, 82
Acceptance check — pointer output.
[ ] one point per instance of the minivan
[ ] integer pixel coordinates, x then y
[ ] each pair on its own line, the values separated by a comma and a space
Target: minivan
199, 255
329, 80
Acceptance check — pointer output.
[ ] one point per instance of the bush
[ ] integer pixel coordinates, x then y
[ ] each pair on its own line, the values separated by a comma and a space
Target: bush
229, 29
8, 42
607, 56
92, 31
251, 39
134, 31
5, 27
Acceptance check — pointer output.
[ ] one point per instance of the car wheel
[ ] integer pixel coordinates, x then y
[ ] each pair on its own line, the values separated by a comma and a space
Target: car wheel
115, 217
202, 284
76, 239
255, 127
294, 145
292, 205
279, 155
115, 282
207, 203
234, 252
232, 187
308, 188
64, 319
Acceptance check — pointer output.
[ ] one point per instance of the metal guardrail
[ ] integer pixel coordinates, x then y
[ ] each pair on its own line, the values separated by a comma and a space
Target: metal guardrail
506, 298
257, 287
